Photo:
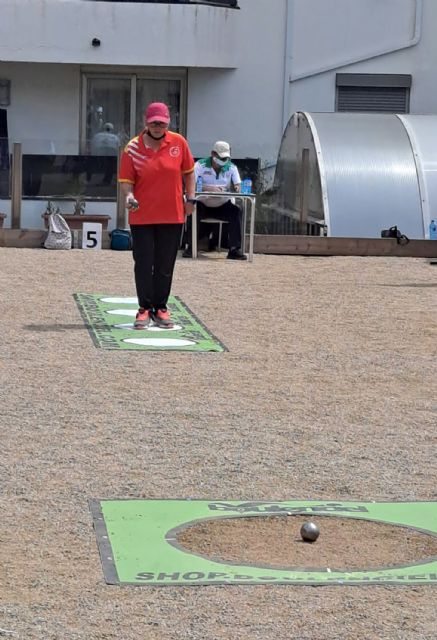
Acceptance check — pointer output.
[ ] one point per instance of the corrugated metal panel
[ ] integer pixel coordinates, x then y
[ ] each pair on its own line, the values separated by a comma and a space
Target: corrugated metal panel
370, 174
288, 176
422, 131
373, 99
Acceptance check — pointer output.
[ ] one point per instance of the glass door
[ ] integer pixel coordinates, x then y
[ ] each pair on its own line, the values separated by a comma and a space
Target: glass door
115, 104
150, 90
113, 112
107, 112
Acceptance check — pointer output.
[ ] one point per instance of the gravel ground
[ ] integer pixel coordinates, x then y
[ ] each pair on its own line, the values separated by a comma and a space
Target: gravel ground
327, 392
344, 544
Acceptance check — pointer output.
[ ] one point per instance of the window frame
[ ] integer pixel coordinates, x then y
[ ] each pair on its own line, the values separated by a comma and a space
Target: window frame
133, 74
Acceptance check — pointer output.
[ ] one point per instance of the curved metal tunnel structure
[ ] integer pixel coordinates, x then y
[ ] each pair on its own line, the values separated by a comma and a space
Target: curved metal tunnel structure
366, 172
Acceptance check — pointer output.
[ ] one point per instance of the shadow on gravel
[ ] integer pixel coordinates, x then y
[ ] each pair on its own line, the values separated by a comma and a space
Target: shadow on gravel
54, 327
423, 285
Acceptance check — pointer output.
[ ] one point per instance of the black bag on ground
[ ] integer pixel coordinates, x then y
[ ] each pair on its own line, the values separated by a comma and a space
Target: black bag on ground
121, 240
394, 232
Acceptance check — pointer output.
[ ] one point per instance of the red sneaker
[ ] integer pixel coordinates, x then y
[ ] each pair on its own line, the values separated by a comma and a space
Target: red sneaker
142, 319
162, 319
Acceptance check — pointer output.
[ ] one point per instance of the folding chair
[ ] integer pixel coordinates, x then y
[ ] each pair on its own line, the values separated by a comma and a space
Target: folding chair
220, 223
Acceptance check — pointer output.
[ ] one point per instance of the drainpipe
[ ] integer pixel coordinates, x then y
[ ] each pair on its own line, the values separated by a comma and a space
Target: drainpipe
287, 62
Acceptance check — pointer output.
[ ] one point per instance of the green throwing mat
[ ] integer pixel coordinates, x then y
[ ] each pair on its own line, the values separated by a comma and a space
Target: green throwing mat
138, 542
110, 322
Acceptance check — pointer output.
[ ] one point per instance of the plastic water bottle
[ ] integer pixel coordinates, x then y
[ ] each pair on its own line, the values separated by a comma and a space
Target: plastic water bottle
433, 230
199, 184
246, 187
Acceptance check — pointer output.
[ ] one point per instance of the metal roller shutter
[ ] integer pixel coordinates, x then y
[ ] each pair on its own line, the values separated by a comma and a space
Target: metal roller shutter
373, 99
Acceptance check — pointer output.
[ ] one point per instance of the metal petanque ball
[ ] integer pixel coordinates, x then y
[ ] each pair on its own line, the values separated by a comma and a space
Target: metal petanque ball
309, 531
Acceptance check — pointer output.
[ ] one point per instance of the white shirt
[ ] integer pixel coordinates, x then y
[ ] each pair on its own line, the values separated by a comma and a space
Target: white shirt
226, 178
105, 144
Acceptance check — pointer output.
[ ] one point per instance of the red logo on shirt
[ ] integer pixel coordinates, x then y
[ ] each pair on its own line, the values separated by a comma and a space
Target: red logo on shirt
174, 152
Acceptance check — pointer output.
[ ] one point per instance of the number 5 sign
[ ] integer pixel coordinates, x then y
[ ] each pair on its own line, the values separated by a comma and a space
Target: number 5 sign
91, 235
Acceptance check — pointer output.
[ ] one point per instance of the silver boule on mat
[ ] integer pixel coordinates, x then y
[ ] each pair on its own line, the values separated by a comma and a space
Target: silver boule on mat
309, 532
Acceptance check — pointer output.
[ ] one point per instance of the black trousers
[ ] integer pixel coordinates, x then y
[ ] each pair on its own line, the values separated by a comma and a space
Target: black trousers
154, 248
227, 212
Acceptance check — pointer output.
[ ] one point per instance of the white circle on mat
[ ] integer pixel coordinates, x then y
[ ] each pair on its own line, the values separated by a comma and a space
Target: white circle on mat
160, 342
122, 312
176, 327
120, 300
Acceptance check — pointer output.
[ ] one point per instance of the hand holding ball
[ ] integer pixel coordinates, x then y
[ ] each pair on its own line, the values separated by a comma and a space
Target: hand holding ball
132, 204
309, 532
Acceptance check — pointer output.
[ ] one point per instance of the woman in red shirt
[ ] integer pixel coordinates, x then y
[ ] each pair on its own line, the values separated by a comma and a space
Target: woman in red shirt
154, 168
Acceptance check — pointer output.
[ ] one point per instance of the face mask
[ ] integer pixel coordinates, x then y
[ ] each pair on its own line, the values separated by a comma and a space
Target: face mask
219, 162
156, 137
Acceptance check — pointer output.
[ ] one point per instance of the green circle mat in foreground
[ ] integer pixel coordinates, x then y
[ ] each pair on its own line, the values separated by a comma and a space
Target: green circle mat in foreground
137, 541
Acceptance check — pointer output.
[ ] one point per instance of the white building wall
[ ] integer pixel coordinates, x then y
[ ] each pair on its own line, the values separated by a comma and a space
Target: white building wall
327, 35
365, 36
245, 105
61, 31
44, 110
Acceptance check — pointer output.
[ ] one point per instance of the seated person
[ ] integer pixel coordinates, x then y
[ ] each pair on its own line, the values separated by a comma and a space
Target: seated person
218, 174
105, 143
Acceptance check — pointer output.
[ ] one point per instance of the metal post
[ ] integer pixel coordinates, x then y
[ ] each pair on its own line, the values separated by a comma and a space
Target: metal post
304, 196
194, 231
16, 186
244, 229
252, 227
121, 213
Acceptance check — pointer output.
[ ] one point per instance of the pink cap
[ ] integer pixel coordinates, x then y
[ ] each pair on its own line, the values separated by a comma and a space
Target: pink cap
157, 112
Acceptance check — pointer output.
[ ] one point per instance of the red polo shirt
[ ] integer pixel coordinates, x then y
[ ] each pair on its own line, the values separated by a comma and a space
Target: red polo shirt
156, 177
